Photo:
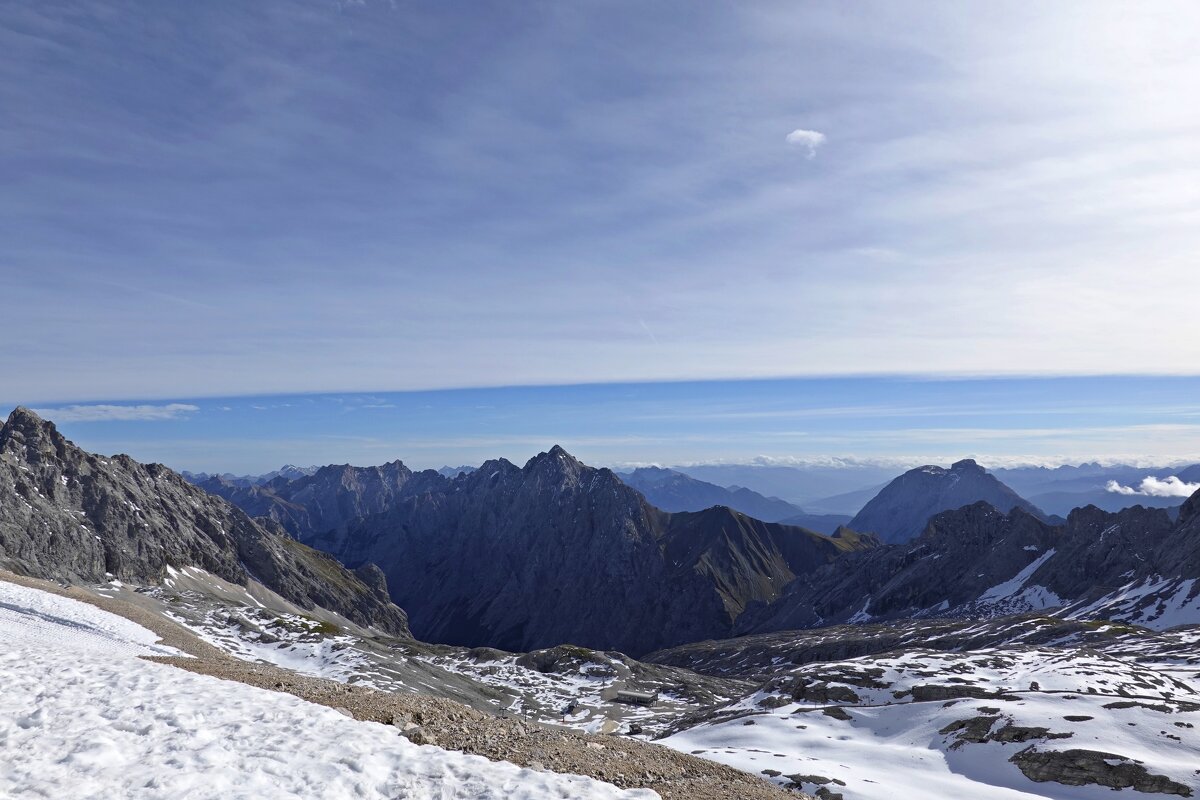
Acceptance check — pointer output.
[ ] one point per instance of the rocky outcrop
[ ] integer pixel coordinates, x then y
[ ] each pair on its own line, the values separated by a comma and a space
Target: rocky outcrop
903, 508
77, 517
1091, 767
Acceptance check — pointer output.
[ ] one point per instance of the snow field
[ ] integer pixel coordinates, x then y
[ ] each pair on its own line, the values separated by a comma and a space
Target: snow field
81, 718
886, 746
898, 751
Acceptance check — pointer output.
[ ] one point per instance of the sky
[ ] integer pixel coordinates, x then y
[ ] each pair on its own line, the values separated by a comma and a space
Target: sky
850, 422
225, 200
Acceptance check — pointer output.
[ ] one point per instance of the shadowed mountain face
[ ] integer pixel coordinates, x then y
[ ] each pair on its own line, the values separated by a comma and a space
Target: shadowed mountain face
69, 515
902, 509
1135, 565
555, 552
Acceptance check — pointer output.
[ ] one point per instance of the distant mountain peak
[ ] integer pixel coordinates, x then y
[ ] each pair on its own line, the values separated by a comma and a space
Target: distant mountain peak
81, 518
34, 436
27, 421
902, 509
557, 461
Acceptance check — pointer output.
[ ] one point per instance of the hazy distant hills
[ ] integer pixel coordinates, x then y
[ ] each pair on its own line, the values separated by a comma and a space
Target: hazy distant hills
1057, 490
454, 472
800, 485
1062, 503
289, 471
672, 490
902, 509
846, 489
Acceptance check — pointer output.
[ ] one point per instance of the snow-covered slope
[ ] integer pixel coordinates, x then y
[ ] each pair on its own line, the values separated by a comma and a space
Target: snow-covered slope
81, 716
539, 686
1068, 723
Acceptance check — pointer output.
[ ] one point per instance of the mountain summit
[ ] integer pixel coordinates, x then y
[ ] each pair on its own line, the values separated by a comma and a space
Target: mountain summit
554, 551
70, 515
902, 509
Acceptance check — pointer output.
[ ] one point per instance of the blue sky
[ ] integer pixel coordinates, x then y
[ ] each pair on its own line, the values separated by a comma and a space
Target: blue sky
228, 199
894, 421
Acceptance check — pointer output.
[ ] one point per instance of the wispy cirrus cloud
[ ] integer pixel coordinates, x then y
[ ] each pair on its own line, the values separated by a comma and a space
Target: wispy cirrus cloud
118, 413
1170, 486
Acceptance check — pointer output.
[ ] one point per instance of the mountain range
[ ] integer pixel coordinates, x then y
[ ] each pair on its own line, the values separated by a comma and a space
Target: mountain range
1137, 565
556, 551
473, 558
72, 516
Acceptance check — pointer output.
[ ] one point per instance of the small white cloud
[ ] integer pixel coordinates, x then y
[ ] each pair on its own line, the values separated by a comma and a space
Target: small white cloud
1171, 486
809, 140
111, 413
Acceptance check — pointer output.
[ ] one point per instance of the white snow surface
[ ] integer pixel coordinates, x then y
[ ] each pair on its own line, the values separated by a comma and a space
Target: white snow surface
1156, 603
82, 717
888, 752
1018, 581
890, 746
32, 619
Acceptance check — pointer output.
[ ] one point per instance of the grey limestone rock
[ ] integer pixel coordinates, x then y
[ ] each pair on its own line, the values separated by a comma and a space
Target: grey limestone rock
73, 516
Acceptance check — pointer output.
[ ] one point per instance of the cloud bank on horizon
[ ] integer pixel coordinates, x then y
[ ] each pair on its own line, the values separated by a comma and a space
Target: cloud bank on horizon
1170, 486
395, 196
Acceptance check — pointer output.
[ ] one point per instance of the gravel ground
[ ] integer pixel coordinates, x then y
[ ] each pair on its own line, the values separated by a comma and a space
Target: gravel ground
622, 761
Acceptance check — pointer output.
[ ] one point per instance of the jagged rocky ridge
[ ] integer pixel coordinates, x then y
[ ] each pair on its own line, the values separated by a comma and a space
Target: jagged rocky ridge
901, 510
522, 558
329, 498
1136, 565
69, 515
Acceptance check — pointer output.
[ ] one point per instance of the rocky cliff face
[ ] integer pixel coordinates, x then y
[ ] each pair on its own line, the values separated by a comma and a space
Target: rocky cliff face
901, 510
74, 516
558, 552
1135, 564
